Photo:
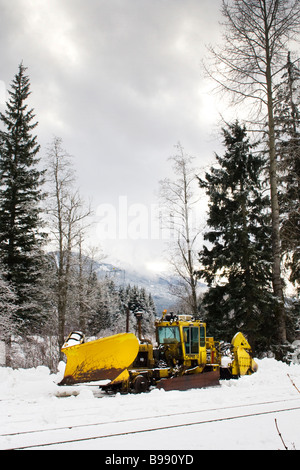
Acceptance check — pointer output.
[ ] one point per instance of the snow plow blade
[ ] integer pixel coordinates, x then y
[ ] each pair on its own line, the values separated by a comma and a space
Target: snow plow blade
186, 382
102, 359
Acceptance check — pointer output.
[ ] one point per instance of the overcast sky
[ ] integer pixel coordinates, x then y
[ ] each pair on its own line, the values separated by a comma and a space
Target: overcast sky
121, 82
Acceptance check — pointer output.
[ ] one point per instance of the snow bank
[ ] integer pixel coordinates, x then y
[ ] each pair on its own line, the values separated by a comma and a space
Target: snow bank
31, 400
35, 383
26, 383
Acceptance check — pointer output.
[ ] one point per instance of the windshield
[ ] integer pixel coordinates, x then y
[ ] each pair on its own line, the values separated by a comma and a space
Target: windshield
168, 334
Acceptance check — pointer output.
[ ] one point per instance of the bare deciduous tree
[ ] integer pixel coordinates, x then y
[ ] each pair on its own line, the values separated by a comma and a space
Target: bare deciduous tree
177, 199
67, 213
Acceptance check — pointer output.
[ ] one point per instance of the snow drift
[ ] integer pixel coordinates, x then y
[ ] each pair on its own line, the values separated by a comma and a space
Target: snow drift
31, 400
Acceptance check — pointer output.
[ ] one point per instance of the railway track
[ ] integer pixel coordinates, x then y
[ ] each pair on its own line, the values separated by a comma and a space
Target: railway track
64, 436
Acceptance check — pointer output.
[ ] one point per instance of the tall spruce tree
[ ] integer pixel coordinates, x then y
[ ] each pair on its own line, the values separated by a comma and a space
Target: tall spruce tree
20, 194
237, 263
287, 115
287, 118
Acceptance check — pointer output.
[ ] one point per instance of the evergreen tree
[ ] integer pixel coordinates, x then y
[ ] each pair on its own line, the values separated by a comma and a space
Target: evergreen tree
7, 311
141, 301
100, 318
287, 114
115, 303
237, 263
7, 308
20, 194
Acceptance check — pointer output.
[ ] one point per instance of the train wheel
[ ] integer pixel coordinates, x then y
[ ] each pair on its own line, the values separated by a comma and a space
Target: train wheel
140, 384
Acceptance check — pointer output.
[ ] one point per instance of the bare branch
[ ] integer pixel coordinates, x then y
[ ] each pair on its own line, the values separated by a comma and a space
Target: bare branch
293, 384
279, 433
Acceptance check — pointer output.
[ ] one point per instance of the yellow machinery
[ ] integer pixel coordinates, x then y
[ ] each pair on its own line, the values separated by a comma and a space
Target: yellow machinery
101, 359
184, 358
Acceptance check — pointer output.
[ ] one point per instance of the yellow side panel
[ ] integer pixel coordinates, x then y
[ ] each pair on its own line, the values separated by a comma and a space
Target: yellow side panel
123, 377
102, 359
244, 361
240, 340
164, 373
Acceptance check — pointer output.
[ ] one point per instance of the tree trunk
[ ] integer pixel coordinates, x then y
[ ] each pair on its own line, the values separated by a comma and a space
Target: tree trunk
276, 242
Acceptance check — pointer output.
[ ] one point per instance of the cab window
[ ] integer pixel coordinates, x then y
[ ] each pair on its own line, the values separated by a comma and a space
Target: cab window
168, 334
191, 339
202, 336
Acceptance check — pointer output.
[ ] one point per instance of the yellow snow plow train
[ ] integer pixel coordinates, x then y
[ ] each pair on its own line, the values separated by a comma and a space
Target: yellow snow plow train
184, 358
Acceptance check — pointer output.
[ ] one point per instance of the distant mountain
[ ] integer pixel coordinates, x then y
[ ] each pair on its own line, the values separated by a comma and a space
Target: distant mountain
157, 284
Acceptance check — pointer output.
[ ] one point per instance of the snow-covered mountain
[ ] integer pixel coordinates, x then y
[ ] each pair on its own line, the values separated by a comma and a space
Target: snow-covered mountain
156, 283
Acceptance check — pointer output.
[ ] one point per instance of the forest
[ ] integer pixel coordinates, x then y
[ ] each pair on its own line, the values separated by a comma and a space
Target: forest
251, 250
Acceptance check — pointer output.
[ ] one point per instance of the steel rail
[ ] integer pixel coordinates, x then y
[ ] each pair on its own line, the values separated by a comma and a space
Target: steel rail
154, 429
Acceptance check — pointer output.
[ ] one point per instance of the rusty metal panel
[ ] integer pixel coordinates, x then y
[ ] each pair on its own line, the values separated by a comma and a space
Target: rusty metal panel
186, 382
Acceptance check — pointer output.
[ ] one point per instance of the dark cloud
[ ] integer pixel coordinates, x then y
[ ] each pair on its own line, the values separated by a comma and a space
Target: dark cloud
119, 81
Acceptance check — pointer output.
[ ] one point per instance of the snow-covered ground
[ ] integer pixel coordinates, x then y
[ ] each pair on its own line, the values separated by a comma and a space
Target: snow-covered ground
239, 414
